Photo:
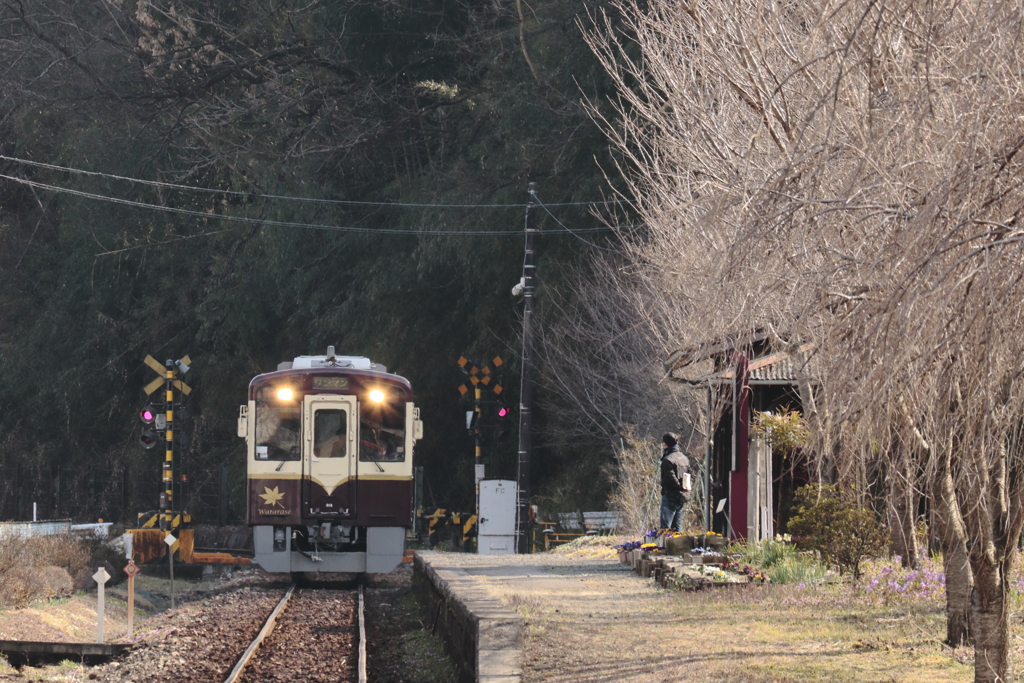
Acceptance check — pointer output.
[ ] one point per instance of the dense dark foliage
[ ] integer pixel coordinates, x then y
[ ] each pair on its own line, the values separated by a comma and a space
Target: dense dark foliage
378, 101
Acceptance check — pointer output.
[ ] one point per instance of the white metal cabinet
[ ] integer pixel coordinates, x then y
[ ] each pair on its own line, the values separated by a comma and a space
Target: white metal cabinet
497, 517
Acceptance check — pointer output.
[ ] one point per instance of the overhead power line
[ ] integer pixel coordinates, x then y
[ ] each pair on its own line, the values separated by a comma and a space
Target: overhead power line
571, 232
238, 193
262, 221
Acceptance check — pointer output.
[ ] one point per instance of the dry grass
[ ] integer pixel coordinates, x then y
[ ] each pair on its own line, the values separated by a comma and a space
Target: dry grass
593, 547
613, 625
39, 568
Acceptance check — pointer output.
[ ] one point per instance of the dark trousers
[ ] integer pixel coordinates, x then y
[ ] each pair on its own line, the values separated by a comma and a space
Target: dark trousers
672, 512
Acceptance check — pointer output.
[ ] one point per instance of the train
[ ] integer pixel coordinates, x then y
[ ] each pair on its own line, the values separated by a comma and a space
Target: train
329, 449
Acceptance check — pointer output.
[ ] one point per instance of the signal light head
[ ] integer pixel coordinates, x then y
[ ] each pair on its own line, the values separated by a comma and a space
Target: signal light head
148, 414
148, 439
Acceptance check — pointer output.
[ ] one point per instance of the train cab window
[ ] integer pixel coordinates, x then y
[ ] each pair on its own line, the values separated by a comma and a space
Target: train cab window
278, 426
382, 432
329, 429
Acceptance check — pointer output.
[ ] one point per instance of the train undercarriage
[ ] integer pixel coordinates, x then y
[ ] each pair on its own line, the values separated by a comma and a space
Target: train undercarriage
344, 549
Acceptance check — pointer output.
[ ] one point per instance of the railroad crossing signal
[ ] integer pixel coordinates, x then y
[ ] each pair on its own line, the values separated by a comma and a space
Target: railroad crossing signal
480, 375
153, 417
148, 414
169, 378
181, 366
503, 427
148, 439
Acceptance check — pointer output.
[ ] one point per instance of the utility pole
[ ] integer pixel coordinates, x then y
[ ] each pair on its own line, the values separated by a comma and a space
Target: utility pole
528, 284
478, 444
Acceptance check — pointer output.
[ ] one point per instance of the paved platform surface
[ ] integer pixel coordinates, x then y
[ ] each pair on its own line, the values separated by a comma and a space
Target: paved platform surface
589, 619
586, 619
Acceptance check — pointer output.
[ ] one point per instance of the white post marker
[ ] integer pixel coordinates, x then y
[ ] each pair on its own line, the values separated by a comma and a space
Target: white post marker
170, 540
101, 576
131, 570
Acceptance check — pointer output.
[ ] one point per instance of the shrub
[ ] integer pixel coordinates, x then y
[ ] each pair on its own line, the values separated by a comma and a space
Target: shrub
73, 555
785, 430
768, 553
783, 562
796, 569
40, 568
843, 532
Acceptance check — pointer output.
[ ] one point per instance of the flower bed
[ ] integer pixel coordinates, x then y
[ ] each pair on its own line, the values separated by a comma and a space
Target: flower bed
687, 561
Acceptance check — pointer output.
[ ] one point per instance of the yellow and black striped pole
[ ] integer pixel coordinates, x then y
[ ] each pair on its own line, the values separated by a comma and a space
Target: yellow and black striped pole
168, 374
167, 497
467, 532
433, 535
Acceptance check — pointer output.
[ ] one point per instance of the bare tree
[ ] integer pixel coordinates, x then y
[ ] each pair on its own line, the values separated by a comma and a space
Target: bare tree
611, 389
847, 173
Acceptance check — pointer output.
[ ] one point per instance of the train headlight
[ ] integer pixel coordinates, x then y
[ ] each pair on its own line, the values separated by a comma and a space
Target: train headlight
377, 396
285, 394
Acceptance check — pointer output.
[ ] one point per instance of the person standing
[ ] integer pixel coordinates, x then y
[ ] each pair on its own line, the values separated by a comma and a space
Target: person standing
676, 483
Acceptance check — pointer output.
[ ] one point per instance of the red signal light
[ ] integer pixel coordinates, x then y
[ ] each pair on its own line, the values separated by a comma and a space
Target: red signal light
148, 414
148, 439
503, 411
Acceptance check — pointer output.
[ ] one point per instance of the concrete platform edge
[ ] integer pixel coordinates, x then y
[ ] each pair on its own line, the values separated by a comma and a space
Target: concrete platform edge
484, 639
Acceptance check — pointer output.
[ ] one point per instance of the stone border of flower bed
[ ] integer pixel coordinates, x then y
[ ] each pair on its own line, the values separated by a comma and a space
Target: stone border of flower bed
679, 573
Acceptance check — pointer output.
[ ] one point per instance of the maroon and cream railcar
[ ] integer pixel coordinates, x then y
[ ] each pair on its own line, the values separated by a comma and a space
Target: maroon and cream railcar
329, 443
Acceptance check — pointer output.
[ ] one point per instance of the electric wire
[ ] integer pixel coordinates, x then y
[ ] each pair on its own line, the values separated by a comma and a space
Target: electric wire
564, 226
238, 193
263, 221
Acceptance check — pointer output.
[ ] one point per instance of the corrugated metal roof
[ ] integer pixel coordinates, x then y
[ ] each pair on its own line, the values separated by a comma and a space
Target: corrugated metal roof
775, 368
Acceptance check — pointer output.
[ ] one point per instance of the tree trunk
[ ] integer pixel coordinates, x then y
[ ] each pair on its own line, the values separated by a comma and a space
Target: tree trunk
955, 561
902, 512
959, 586
991, 628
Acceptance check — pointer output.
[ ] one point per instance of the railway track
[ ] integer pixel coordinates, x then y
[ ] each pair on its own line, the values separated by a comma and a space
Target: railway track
314, 634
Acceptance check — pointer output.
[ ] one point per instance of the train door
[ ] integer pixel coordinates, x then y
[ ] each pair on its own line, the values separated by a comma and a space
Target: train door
329, 455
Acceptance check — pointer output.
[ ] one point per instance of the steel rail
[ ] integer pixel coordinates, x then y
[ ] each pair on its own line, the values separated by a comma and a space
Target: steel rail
268, 627
362, 638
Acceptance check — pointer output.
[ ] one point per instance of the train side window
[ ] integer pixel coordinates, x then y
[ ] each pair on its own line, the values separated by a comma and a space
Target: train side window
278, 427
382, 432
329, 428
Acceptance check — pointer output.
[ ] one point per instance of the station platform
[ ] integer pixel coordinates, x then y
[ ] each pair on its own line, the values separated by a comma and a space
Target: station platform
480, 604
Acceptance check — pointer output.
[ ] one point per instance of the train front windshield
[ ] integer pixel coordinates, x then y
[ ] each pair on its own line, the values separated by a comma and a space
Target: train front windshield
382, 431
279, 429
278, 426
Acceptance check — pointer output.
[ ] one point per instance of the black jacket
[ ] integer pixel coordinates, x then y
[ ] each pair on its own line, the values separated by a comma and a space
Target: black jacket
674, 465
